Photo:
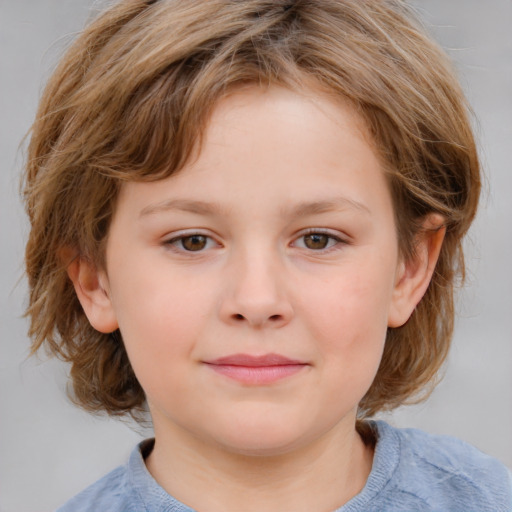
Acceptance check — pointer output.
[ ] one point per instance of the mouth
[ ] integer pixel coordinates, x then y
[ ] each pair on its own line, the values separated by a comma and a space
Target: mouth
256, 370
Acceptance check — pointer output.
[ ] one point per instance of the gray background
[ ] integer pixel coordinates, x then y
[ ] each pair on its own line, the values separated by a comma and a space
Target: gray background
49, 450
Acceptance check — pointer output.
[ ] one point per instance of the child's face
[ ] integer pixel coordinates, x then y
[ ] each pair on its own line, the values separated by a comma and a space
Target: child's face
278, 241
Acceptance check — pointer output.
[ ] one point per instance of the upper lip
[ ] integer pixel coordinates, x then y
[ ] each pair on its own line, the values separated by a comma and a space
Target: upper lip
255, 361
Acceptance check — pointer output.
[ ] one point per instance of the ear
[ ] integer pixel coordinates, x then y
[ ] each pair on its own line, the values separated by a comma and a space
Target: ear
92, 290
413, 276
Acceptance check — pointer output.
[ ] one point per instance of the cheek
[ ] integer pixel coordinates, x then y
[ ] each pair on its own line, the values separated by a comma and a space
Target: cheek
348, 318
353, 303
160, 319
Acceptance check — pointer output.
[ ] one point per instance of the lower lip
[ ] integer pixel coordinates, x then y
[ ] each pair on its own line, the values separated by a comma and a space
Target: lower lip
257, 375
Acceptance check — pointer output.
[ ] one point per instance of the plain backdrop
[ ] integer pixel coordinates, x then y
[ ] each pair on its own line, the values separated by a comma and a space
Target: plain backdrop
49, 450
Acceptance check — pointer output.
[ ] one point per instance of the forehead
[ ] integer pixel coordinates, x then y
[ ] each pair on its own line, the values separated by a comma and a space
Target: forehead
290, 109
281, 146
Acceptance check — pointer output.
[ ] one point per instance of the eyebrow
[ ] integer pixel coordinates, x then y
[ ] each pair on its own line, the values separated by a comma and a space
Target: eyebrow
300, 210
325, 206
185, 205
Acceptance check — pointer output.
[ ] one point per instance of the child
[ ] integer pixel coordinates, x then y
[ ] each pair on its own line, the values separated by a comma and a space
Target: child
247, 218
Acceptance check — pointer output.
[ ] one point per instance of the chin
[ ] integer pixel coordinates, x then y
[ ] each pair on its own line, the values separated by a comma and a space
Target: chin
262, 439
261, 447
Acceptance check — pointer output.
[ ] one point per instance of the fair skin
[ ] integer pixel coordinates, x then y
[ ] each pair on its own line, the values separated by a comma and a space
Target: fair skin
277, 242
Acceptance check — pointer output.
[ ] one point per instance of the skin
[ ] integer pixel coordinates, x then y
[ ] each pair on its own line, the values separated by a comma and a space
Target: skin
275, 167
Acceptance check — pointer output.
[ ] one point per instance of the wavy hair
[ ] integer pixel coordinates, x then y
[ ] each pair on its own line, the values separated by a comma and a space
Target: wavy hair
130, 100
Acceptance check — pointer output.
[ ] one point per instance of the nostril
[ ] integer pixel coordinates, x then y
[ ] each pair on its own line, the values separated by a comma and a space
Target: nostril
273, 318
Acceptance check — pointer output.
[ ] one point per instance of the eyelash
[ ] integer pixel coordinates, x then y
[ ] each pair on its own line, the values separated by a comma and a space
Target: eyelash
315, 231
173, 242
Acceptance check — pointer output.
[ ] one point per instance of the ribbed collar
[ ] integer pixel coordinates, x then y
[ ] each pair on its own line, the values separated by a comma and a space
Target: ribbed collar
155, 499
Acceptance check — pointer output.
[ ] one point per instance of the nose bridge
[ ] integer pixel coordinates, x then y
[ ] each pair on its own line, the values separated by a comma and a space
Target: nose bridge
256, 293
257, 275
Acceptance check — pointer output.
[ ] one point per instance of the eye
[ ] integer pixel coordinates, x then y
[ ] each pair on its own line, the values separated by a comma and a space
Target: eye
317, 241
191, 243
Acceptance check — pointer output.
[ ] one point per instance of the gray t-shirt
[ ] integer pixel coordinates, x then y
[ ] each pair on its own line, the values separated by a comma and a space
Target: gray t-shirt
412, 471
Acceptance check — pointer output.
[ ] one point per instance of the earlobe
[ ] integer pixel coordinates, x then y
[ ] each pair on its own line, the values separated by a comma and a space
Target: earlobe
91, 288
414, 276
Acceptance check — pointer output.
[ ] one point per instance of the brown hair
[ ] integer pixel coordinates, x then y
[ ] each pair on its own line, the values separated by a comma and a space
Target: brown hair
130, 99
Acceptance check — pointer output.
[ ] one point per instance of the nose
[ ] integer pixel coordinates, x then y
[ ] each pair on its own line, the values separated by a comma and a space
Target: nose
256, 294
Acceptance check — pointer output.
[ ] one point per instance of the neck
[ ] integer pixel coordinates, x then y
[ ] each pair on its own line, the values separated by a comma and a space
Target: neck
319, 476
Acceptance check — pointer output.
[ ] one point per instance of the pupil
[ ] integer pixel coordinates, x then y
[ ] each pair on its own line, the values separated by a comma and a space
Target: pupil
194, 243
316, 241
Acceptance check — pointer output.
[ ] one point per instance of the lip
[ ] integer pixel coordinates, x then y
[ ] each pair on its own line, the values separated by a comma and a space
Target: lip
256, 370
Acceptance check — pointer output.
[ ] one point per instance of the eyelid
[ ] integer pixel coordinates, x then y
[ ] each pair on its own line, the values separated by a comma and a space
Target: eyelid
325, 231
170, 240
340, 238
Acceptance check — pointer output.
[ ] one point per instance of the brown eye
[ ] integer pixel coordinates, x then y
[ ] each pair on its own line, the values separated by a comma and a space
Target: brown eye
194, 242
316, 241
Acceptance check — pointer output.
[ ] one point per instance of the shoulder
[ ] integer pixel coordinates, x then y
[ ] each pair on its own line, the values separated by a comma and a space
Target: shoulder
108, 493
445, 473
118, 491
128, 488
